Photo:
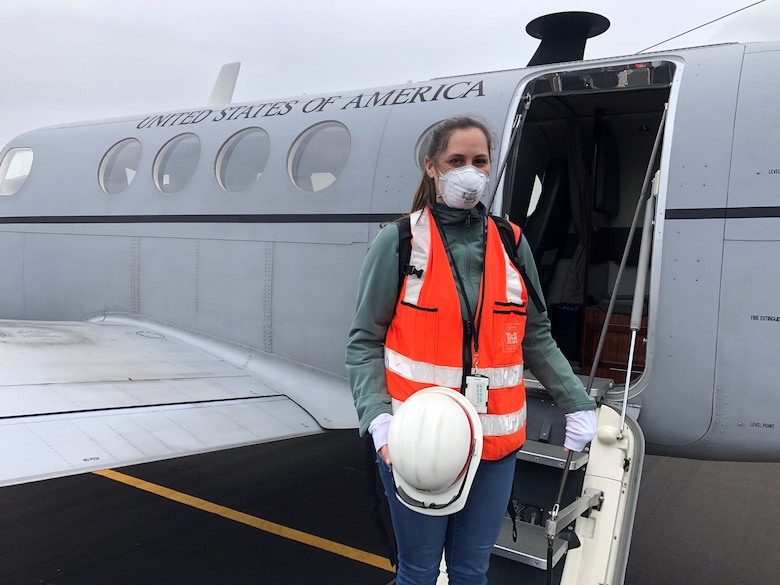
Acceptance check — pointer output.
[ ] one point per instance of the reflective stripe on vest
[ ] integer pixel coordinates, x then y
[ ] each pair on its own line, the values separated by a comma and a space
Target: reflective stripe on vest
514, 282
421, 235
433, 375
493, 425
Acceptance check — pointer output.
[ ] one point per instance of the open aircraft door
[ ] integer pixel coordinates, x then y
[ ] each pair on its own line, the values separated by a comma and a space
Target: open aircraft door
582, 535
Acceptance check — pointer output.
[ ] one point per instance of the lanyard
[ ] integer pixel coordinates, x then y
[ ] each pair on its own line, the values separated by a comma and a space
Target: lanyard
475, 318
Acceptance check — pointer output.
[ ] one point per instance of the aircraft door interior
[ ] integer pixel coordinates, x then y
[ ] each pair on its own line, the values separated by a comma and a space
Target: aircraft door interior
586, 141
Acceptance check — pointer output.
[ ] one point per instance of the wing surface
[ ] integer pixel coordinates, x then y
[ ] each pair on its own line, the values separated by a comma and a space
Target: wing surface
79, 396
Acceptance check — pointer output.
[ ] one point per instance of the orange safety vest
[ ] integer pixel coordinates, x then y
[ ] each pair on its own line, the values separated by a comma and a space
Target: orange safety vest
427, 345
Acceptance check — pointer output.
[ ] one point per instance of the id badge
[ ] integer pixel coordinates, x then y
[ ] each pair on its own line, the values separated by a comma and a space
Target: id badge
477, 392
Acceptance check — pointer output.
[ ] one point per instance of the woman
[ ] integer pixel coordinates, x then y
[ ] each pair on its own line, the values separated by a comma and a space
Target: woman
445, 317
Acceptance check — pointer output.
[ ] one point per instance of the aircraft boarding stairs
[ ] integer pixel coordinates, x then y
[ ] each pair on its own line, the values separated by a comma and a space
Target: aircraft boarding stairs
597, 504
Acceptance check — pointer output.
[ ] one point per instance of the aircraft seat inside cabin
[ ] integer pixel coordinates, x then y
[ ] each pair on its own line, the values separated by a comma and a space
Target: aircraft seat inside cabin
547, 228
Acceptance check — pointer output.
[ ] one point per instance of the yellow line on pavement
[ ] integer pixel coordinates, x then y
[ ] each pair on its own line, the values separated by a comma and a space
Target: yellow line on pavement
270, 527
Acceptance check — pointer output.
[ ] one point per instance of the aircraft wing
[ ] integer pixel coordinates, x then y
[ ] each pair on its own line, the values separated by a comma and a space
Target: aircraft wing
79, 396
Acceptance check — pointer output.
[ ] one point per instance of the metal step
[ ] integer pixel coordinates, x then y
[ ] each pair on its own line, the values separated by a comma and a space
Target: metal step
599, 388
550, 455
531, 546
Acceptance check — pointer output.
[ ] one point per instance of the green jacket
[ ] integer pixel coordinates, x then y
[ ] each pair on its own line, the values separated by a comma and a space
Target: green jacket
377, 297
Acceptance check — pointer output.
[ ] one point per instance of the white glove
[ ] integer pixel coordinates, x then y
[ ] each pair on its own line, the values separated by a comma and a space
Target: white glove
379, 428
580, 429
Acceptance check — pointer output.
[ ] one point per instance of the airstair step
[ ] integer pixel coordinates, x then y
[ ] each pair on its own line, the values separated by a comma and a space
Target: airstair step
531, 546
550, 455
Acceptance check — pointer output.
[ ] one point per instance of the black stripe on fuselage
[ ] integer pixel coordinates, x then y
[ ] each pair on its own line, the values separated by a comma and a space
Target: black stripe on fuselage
205, 218
723, 213
283, 218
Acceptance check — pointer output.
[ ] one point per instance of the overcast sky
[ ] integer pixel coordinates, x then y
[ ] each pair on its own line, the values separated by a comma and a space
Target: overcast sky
70, 60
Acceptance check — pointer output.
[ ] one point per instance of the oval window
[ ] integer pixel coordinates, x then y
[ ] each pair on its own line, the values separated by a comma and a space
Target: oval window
242, 159
119, 166
14, 169
318, 156
176, 163
421, 148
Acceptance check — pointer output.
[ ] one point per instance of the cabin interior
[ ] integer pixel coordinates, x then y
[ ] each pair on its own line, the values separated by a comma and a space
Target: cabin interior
575, 177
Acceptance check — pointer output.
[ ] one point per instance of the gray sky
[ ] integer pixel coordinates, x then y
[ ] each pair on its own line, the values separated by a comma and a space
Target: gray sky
69, 60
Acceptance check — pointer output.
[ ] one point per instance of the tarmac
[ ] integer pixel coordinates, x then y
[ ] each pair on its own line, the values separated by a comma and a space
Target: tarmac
297, 512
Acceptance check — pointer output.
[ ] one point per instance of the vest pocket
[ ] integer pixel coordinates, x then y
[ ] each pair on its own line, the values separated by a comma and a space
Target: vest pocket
508, 332
420, 330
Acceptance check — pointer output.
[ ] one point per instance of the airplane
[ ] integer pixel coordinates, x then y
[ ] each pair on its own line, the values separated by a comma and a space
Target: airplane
184, 281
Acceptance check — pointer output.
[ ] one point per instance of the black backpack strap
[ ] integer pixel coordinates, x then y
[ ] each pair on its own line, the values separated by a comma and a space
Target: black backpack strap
510, 245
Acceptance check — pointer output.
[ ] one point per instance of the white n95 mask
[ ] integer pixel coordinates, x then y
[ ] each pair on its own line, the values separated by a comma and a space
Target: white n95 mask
462, 188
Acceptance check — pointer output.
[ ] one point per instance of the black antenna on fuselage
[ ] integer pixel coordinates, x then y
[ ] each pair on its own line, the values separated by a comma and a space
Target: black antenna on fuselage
563, 35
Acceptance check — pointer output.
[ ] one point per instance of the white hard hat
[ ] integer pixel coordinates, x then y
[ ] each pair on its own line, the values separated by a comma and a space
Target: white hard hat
435, 443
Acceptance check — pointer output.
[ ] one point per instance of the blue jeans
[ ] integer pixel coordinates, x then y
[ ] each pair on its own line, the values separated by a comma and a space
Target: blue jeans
466, 537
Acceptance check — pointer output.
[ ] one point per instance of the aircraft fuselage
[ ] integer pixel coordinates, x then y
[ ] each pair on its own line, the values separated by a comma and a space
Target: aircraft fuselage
248, 222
